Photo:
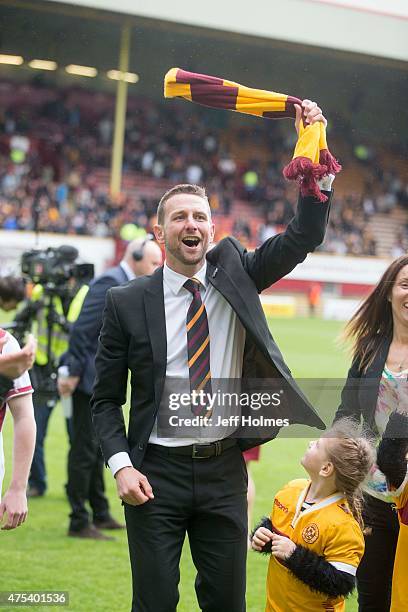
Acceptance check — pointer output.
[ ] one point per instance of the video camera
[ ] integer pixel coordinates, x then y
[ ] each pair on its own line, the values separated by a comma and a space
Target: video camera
54, 267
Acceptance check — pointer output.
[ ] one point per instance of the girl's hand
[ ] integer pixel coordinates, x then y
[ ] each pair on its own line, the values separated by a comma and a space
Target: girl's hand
261, 537
282, 547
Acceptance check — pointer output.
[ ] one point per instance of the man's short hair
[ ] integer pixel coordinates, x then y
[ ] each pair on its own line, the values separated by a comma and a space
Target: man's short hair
183, 188
12, 288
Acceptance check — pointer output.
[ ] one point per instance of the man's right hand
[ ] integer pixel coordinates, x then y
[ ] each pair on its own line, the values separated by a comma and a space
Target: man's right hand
133, 487
14, 365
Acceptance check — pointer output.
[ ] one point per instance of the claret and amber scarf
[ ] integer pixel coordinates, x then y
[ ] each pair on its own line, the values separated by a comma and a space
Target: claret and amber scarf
311, 159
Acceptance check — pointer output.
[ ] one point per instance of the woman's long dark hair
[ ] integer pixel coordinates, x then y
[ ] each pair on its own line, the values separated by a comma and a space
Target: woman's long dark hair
373, 320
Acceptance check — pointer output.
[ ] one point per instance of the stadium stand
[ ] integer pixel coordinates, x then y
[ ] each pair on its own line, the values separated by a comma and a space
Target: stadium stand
55, 147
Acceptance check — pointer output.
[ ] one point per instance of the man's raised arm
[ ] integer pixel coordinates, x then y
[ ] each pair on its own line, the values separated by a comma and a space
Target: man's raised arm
280, 254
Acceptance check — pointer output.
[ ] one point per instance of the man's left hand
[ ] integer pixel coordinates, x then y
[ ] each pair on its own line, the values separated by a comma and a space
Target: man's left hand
14, 505
282, 547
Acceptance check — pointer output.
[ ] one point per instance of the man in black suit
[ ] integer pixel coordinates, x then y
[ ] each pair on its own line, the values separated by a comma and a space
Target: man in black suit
171, 486
85, 462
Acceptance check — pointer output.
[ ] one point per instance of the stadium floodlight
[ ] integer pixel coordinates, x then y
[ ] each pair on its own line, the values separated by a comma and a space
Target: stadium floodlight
86, 71
117, 75
13, 60
38, 64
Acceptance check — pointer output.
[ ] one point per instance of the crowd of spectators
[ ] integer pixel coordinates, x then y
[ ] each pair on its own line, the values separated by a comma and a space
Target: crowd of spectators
55, 152
349, 230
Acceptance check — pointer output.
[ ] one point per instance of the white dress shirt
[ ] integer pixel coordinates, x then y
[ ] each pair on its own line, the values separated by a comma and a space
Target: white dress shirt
227, 341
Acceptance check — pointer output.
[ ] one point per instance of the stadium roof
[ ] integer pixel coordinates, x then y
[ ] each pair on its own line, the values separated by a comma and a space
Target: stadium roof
344, 83
374, 27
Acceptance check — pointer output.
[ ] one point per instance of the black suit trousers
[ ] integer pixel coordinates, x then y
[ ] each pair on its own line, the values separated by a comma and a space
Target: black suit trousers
205, 498
85, 468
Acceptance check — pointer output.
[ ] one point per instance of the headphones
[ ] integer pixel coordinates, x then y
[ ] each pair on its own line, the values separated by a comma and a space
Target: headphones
138, 253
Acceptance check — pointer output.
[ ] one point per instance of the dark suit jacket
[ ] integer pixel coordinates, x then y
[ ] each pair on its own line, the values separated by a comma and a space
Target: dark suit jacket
134, 332
360, 393
85, 331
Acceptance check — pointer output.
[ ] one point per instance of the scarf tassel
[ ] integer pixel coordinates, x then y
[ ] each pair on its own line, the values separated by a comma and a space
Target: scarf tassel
327, 159
307, 173
303, 170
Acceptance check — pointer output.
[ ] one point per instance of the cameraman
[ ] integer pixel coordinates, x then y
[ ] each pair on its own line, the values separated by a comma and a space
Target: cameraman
49, 313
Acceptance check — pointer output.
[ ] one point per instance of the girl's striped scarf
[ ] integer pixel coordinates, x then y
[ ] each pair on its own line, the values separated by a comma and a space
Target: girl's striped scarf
311, 159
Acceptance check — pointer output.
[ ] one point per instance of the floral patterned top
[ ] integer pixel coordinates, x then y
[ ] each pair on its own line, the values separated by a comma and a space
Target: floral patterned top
392, 394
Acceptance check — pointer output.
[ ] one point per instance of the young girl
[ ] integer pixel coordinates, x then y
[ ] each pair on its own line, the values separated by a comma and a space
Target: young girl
314, 531
13, 506
392, 459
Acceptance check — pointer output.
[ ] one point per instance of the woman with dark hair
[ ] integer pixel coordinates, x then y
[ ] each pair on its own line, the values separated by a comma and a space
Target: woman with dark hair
376, 386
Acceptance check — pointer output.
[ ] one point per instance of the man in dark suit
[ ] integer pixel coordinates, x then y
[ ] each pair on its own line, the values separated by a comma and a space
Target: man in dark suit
85, 462
201, 309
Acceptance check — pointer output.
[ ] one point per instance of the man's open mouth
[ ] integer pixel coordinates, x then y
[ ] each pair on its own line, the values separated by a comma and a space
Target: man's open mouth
191, 241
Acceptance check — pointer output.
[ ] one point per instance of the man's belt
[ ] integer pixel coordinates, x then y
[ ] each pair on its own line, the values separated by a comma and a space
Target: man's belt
197, 451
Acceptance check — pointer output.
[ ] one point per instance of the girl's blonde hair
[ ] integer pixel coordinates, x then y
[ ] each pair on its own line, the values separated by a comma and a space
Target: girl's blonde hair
352, 455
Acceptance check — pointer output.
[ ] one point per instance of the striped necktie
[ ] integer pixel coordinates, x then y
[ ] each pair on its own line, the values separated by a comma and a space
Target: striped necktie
198, 346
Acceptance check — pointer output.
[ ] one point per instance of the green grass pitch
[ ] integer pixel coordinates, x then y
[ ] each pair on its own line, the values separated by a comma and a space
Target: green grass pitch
39, 555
